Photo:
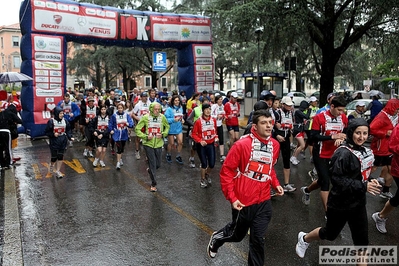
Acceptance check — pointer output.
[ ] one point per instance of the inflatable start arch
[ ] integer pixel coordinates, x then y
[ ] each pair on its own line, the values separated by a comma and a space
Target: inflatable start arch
47, 26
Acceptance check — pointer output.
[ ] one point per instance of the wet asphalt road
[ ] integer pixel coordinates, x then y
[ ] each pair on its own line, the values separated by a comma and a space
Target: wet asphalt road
106, 217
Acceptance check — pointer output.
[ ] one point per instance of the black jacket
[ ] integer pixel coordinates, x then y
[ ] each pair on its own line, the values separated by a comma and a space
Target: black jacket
348, 189
9, 120
60, 142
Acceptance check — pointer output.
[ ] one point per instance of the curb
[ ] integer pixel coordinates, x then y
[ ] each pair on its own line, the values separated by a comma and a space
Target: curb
12, 250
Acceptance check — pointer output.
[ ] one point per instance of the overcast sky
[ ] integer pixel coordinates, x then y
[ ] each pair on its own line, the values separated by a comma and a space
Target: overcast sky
9, 12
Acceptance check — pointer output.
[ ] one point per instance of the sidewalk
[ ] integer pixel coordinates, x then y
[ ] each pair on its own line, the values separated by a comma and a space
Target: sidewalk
12, 249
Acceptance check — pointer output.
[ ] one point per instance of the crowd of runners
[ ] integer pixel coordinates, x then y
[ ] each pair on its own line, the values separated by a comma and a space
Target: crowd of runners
158, 124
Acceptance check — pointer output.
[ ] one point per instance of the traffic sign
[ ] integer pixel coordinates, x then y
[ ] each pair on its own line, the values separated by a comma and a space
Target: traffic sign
159, 61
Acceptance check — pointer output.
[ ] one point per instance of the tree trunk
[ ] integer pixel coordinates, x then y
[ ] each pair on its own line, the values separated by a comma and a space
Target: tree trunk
98, 75
154, 80
221, 80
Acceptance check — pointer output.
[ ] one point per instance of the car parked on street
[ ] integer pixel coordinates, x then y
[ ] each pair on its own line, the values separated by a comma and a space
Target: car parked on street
298, 97
350, 107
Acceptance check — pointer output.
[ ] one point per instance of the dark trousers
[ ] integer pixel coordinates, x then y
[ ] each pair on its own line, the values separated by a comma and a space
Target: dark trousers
255, 217
356, 219
5, 148
154, 162
395, 200
206, 155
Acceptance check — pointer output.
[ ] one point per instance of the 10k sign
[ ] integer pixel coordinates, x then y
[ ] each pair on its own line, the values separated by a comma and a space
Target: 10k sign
159, 61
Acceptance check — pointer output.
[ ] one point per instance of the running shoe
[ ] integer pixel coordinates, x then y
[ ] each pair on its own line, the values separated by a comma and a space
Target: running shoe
118, 166
386, 195
179, 160
168, 158
294, 160
85, 153
121, 162
222, 158
70, 143
208, 178
289, 188
138, 155
305, 196
59, 175
301, 246
95, 163
210, 249
91, 154
313, 175
102, 164
192, 163
203, 184
381, 180
379, 222
112, 152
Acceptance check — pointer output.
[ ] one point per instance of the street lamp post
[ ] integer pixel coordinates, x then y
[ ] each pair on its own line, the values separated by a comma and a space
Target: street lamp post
258, 32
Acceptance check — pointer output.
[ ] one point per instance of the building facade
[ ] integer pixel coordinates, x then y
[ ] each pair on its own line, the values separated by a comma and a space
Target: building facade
10, 40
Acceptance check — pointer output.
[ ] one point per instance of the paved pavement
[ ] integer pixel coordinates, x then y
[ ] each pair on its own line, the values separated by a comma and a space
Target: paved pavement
106, 217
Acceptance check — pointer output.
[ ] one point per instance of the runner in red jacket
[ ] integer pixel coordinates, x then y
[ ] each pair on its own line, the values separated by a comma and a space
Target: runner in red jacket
246, 177
381, 128
232, 112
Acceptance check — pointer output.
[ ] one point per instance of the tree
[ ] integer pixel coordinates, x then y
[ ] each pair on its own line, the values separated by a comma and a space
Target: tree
336, 25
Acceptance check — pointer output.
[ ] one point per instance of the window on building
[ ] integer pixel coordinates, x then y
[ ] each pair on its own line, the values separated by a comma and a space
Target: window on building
16, 60
163, 82
15, 41
148, 82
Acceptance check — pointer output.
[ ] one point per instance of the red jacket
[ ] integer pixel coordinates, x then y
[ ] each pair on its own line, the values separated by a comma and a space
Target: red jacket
234, 173
380, 126
232, 113
198, 134
394, 148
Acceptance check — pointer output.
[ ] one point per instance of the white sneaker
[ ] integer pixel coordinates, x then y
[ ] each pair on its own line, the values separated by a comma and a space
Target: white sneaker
301, 246
121, 162
294, 160
102, 164
118, 166
203, 183
381, 180
85, 153
305, 196
70, 143
386, 195
379, 222
192, 163
222, 158
138, 155
289, 188
95, 163
91, 154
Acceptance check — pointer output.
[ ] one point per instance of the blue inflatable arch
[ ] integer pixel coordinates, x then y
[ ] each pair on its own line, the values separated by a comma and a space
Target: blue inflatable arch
47, 26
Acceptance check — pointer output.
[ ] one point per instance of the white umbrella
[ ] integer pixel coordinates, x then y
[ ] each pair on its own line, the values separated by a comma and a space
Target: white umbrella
365, 94
377, 93
13, 77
